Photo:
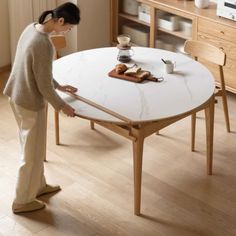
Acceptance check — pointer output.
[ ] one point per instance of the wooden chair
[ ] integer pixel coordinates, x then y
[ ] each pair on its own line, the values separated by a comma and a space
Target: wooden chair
59, 42
212, 54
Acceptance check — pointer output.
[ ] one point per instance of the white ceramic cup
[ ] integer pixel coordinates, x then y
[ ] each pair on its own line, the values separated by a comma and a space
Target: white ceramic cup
169, 66
123, 40
202, 3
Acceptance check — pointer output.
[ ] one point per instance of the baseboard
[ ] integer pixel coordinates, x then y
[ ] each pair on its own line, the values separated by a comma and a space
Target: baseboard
5, 68
4, 73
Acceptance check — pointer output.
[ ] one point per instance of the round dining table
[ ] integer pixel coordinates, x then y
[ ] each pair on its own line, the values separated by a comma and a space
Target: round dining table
137, 110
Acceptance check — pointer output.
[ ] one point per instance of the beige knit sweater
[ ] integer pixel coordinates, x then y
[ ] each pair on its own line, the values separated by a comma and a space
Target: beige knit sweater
31, 82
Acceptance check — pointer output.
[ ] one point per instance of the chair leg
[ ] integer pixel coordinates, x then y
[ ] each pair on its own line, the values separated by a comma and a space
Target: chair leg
56, 120
226, 112
209, 114
91, 124
224, 99
193, 123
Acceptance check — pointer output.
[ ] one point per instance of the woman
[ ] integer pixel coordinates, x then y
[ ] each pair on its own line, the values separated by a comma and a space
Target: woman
29, 88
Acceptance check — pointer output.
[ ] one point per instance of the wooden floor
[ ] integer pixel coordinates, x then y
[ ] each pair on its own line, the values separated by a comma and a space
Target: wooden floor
94, 169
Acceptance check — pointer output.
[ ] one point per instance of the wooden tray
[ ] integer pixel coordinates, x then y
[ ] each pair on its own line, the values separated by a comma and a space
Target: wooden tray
114, 74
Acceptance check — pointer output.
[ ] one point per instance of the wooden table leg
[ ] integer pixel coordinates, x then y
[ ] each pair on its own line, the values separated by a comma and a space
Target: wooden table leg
56, 120
193, 131
137, 159
92, 125
209, 113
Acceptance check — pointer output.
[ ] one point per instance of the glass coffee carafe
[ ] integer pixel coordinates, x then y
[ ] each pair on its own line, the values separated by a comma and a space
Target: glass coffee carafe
125, 54
125, 51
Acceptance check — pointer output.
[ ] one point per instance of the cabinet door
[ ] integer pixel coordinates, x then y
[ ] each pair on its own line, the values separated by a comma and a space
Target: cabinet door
94, 28
230, 67
218, 30
126, 20
149, 28
173, 29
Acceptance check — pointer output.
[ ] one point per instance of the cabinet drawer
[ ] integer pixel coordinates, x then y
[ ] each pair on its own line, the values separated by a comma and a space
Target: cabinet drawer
229, 74
228, 47
218, 30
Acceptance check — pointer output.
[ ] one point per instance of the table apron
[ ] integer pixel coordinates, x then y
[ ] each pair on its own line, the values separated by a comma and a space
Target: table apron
145, 129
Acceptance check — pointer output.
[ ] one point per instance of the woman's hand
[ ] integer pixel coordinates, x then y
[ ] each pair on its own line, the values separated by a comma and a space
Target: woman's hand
68, 110
67, 88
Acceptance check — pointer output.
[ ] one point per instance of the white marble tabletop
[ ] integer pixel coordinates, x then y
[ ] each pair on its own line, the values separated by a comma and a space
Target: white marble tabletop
187, 88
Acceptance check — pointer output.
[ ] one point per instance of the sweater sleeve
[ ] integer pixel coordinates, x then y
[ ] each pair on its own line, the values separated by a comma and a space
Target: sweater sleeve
42, 69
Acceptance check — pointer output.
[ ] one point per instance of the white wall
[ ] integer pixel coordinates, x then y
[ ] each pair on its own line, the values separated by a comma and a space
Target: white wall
94, 28
71, 37
4, 34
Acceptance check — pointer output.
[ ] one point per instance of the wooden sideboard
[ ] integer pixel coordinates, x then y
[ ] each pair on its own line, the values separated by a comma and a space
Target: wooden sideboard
206, 26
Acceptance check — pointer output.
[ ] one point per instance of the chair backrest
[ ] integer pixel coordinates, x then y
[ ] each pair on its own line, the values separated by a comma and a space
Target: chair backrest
206, 51
59, 42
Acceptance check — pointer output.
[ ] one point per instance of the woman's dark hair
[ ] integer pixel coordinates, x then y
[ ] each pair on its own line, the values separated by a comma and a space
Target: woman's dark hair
69, 11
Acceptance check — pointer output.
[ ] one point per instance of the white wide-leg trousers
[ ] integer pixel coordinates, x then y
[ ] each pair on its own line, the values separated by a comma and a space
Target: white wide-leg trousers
32, 135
